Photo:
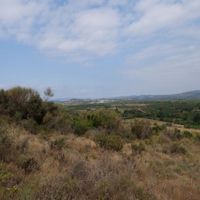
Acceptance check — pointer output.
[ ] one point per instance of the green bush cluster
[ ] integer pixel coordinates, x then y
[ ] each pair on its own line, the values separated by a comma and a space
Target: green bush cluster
81, 125
104, 119
107, 119
22, 103
187, 134
186, 113
25, 106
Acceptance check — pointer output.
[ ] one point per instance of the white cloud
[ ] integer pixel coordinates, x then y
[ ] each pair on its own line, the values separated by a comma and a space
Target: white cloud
169, 68
95, 27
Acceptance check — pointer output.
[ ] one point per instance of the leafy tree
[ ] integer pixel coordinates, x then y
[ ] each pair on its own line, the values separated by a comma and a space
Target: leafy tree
48, 93
24, 103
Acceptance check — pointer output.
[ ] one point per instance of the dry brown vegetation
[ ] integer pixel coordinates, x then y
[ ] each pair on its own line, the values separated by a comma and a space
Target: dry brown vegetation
58, 166
92, 155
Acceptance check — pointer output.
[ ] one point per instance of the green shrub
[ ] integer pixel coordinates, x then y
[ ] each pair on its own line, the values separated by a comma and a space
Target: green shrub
141, 129
81, 125
58, 144
107, 119
111, 142
24, 103
139, 148
158, 128
187, 134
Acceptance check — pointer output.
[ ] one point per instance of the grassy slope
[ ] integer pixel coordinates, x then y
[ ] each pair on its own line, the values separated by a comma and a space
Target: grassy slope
77, 168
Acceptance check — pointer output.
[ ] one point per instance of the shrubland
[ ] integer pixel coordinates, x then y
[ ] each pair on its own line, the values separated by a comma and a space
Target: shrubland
48, 152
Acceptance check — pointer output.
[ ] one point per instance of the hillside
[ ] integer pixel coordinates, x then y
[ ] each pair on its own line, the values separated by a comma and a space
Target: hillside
60, 154
191, 95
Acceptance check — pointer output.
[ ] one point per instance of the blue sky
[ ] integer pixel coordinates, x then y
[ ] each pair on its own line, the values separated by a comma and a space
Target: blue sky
100, 48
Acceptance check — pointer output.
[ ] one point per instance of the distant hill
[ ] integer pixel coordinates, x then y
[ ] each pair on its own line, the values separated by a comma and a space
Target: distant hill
191, 95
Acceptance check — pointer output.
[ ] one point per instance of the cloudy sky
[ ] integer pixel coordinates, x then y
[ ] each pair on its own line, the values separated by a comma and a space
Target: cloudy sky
100, 48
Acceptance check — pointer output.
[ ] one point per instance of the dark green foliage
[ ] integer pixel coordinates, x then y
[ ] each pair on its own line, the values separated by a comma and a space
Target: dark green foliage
3, 101
25, 106
106, 119
109, 141
187, 134
81, 125
158, 128
24, 103
180, 112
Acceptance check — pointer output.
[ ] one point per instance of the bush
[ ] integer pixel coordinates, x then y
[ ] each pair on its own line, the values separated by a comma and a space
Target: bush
158, 128
173, 134
6, 145
110, 142
141, 129
177, 149
81, 125
197, 138
24, 103
28, 164
106, 119
139, 148
187, 134
57, 120
58, 144
30, 125
3, 101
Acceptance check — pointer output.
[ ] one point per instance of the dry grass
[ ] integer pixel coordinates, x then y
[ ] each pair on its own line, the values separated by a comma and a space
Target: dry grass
80, 169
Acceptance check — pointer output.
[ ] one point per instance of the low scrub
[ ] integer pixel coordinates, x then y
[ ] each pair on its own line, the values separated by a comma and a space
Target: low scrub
141, 129
81, 125
138, 148
187, 134
58, 144
173, 134
177, 149
28, 164
109, 141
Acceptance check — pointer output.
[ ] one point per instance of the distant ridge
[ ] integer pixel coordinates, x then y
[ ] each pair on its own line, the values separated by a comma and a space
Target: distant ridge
191, 95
